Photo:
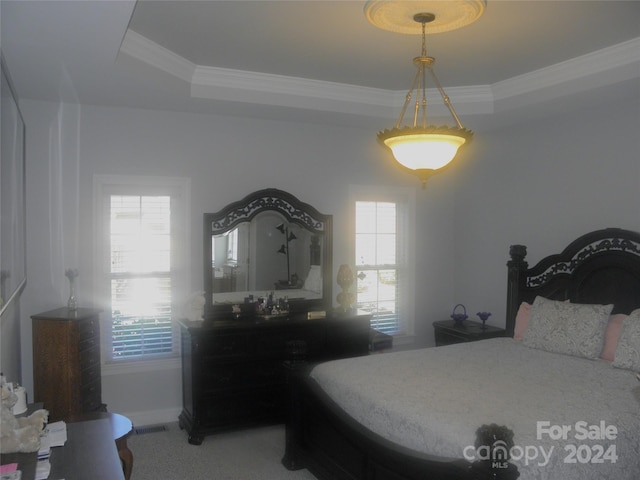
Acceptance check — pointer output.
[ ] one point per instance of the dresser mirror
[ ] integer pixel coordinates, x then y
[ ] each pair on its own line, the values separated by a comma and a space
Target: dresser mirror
268, 243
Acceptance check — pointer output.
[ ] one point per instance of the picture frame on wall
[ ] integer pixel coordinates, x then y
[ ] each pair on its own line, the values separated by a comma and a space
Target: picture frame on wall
13, 268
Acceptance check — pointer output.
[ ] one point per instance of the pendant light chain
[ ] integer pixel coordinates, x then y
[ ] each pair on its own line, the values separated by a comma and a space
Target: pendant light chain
424, 79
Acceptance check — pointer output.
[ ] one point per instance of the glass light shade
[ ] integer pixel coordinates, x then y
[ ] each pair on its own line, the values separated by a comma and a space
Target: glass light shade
424, 150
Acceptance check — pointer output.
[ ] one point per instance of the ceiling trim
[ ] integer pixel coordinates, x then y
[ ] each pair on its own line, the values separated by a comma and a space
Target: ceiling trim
143, 49
607, 66
607, 61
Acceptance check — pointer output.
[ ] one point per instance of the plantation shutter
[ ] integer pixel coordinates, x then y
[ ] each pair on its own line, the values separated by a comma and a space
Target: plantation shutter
140, 276
379, 259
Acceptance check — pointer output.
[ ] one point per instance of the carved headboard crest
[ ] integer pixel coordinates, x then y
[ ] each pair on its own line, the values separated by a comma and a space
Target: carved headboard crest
568, 267
600, 267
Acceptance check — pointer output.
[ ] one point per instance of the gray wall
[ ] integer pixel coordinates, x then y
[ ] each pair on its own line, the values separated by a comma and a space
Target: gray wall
540, 182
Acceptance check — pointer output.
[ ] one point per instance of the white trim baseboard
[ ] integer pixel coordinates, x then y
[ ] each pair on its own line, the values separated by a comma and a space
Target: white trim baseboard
153, 417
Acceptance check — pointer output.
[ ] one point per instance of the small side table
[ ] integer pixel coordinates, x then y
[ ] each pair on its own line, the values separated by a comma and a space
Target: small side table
378, 341
121, 428
447, 332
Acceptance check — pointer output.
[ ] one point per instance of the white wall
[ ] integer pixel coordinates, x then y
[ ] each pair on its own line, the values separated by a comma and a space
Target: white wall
541, 183
225, 159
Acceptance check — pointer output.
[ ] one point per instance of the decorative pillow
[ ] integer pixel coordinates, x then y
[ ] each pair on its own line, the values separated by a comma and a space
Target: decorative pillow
611, 336
628, 351
522, 321
569, 328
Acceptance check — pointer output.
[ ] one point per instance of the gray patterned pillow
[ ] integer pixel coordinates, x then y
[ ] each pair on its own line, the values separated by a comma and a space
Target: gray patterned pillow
628, 350
569, 328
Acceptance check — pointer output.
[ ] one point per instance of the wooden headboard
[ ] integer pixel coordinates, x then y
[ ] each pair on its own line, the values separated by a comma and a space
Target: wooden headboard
600, 267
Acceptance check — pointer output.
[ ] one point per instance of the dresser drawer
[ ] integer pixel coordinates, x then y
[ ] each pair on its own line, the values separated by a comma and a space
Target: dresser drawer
89, 329
220, 346
90, 357
273, 344
91, 396
242, 376
224, 411
90, 374
89, 343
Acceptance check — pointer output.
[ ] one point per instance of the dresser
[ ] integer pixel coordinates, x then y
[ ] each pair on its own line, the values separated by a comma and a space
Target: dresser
66, 361
232, 370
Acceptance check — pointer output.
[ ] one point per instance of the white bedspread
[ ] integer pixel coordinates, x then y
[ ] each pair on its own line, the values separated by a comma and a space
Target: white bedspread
433, 400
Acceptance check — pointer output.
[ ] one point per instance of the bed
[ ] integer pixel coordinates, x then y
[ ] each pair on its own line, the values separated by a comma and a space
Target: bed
561, 385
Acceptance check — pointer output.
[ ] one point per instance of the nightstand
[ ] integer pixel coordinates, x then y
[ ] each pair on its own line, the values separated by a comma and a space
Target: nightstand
446, 332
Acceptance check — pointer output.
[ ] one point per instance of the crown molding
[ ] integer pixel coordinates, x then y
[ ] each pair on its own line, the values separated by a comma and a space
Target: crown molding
144, 50
607, 66
607, 61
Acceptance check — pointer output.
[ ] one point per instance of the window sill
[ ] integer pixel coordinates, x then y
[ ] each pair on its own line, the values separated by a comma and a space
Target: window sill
139, 366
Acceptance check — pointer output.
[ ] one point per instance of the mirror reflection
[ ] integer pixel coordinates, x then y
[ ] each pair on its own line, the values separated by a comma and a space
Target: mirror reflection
267, 254
267, 244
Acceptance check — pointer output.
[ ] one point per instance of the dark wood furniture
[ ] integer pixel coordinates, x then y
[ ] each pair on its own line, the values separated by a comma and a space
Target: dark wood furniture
448, 332
379, 341
232, 370
121, 428
600, 267
89, 452
66, 361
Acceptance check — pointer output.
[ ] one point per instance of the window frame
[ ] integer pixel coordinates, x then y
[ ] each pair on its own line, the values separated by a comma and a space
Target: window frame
178, 188
406, 198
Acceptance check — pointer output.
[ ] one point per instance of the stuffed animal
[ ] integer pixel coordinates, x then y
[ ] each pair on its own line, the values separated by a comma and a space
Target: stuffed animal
19, 434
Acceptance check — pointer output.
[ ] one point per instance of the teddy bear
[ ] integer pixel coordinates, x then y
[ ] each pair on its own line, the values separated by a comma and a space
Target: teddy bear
19, 434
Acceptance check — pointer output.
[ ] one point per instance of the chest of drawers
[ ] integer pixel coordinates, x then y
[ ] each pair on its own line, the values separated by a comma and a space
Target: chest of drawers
66, 361
232, 371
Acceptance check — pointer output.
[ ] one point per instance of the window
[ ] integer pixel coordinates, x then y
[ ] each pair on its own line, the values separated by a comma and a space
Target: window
141, 246
232, 247
383, 248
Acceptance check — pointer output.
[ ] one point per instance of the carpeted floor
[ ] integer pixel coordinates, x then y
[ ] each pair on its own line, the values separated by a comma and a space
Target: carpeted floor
243, 455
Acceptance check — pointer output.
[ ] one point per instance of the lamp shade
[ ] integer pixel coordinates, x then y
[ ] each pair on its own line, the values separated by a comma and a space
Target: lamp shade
424, 150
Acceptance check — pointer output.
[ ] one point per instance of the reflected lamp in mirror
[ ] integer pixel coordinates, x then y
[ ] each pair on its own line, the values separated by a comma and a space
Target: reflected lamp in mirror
284, 249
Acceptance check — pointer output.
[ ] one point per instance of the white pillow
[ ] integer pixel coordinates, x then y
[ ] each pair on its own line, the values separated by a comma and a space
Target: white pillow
628, 349
568, 328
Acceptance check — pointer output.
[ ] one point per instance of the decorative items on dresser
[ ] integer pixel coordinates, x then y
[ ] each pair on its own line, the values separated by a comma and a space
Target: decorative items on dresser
453, 331
232, 369
66, 361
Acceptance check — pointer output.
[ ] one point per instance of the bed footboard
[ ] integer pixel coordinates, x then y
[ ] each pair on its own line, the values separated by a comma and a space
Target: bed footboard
322, 438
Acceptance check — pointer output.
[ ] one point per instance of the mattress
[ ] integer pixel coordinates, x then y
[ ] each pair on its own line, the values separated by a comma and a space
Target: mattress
572, 418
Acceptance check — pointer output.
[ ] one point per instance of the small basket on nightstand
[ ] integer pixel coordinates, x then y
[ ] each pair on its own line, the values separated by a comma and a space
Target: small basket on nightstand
458, 318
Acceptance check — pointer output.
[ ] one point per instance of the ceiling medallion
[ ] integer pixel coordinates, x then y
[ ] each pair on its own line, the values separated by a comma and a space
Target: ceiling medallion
398, 16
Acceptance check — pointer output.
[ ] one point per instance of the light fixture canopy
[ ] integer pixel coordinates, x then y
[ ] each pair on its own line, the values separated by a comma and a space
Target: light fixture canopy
421, 148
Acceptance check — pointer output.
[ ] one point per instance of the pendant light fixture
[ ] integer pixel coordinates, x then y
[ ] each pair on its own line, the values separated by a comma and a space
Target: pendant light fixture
421, 148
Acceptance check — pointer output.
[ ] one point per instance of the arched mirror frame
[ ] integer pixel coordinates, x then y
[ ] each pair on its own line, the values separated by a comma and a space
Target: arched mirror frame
293, 211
